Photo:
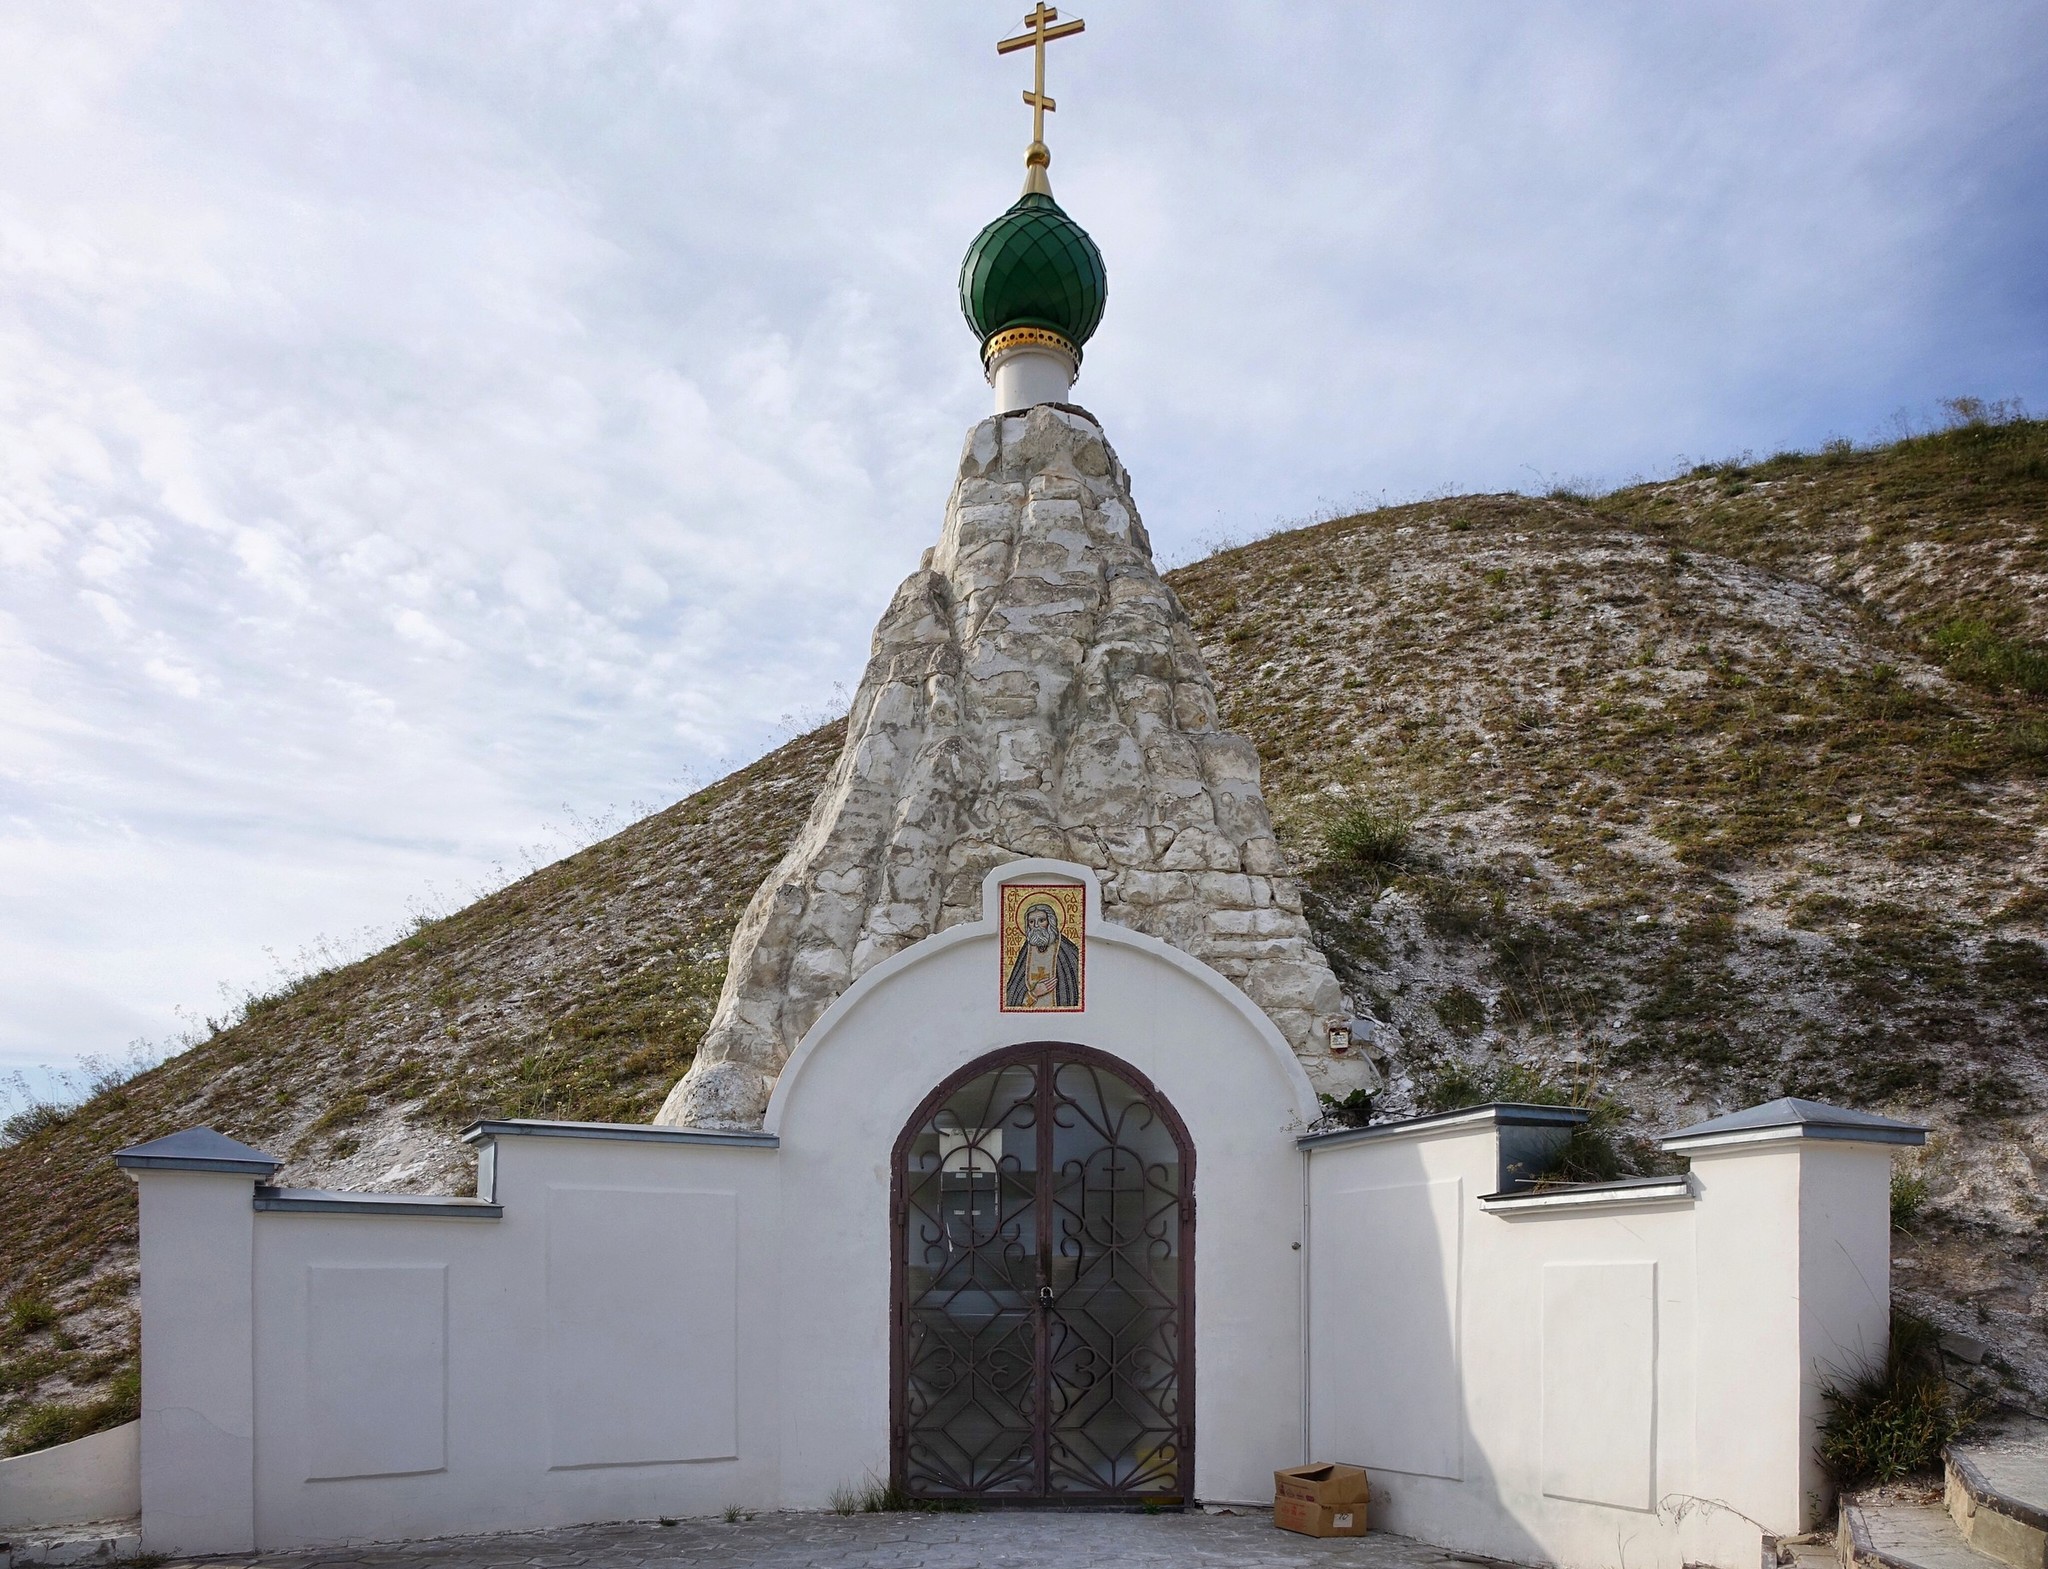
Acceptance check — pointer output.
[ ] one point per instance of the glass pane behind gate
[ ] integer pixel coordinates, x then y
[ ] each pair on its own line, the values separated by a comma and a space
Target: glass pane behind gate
970, 1294
1114, 1333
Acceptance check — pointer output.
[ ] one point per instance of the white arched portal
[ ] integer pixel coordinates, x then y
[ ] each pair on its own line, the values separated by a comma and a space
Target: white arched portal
915, 1020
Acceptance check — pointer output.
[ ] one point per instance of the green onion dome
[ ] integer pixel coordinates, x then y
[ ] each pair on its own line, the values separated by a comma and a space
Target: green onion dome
1034, 267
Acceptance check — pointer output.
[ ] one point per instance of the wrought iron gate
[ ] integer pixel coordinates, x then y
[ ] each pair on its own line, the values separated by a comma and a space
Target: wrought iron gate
1043, 1334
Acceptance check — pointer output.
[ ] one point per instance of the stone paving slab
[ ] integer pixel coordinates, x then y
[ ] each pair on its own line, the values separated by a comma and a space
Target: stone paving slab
992, 1539
2012, 1461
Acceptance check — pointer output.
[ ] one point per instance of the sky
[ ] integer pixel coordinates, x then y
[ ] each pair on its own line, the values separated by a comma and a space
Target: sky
432, 433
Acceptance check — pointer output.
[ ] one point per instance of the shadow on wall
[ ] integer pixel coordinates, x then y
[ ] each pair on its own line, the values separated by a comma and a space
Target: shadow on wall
1386, 1385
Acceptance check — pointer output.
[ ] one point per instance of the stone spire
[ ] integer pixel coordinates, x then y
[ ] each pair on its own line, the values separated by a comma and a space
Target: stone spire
1035, 689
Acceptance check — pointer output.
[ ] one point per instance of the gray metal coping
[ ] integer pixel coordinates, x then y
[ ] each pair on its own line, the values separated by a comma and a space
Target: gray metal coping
628, 1132
1621, 1190
317, 1201
196, 1149
1979, 1487
1501, 1114
1797, 1118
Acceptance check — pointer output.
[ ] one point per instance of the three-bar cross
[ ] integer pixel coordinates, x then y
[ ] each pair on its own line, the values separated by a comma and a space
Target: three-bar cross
1040, 34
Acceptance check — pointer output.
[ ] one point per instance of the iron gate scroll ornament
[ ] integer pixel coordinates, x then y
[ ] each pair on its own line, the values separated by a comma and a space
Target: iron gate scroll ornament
1042, 1308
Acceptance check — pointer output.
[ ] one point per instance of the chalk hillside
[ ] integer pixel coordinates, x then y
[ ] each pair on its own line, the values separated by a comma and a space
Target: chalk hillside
1668, 800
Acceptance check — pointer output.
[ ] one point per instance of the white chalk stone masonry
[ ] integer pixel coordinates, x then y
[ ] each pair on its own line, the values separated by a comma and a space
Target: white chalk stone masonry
1035, 690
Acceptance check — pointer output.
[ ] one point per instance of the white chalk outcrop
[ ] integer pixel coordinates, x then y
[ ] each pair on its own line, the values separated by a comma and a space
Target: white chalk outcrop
1035, 690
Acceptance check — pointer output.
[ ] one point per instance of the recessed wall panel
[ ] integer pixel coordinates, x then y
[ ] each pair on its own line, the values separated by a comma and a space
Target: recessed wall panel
1383, 1282
642, 1326
376, 1370
1600, 1383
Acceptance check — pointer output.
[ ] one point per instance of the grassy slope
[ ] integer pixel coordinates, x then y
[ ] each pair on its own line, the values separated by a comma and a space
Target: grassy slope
578, 992
1724, 788
1727, 787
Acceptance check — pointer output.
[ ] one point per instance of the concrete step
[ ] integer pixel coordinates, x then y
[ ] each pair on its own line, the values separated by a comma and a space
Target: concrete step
1905, 1536
99, 1542
1996, 1489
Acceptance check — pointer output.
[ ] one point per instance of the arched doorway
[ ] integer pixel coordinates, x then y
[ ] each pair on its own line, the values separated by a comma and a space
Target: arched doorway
1042, 1343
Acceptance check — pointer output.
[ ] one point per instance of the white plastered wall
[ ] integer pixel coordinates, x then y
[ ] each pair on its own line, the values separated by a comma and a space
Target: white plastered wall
660, 1322
905, 1027
97, 1477
1794, 1239
197, 1439
601, 1352
655, 1322
1578, 1380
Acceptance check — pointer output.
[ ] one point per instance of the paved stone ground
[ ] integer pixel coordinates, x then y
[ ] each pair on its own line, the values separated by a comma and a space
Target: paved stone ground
993, 1539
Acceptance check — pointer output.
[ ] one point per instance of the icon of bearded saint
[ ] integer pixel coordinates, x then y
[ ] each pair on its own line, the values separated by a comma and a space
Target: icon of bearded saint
1047, 970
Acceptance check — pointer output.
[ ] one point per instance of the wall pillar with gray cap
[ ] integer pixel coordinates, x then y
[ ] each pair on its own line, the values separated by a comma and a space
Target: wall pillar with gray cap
198, 1436
1794, 1269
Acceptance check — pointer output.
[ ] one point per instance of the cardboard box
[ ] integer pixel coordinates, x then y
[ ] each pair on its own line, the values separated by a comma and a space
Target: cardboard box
1321, 1500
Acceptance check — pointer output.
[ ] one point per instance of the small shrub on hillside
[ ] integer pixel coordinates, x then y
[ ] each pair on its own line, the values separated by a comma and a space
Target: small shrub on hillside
350, 1108
1973, 650
1593, 1152
1452, 1086
1460, 1011
1458, 912
42, 1426
1909, 1195
93, 1078
37, 1117
28, 1312
2028, 740
1892, 1421
1976, 414
19, 1375
1367, 837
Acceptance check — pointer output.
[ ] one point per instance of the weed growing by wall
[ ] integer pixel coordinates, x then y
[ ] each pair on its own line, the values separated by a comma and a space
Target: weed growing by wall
1909, 1195
1892, 1420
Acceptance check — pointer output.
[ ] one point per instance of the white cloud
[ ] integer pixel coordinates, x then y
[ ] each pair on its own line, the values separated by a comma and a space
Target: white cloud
414, 418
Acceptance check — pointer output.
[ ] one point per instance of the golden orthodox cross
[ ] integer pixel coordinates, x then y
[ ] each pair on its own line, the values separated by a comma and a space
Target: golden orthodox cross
1040, 34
